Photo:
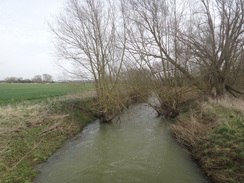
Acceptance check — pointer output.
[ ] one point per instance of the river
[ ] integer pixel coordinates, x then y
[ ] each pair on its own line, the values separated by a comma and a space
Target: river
136, 147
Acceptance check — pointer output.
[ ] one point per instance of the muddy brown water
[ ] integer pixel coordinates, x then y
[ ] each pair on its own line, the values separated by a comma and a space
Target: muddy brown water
136, 147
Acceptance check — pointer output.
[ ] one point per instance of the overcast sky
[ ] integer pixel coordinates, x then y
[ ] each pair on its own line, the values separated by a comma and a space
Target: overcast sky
25, 38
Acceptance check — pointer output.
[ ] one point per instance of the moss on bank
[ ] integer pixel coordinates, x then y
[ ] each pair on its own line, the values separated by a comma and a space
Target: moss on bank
30, 133
213, 133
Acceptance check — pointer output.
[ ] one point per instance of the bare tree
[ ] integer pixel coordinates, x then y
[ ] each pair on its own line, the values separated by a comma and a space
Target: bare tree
152, 32
47, 78
216, 39
37, 79
87, 35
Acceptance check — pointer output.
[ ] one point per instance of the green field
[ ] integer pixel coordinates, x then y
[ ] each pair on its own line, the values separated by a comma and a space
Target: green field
16, 92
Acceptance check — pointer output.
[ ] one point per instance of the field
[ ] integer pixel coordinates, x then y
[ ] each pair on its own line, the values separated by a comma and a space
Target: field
14, 92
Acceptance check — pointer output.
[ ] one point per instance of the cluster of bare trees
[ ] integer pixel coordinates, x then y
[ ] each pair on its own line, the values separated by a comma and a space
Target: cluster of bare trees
162, 48
45, 78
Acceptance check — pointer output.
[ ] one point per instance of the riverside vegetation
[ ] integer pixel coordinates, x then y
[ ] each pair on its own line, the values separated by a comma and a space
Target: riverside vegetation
31, 130
213, 131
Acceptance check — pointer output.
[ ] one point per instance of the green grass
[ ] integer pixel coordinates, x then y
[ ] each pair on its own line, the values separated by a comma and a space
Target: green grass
12, 92
225, 147
35, 132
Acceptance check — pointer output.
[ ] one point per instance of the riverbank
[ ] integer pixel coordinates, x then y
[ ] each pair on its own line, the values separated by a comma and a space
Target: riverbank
213, 131
31, 132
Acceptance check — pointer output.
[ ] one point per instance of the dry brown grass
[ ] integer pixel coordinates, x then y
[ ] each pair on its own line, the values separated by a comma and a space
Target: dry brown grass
12, 118
89, 94
192, 128
230, 103
23, 116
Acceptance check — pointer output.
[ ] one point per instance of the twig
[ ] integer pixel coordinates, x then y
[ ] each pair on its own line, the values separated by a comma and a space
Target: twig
26, 155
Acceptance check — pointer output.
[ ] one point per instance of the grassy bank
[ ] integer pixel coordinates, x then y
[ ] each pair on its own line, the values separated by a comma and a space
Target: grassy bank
30, 132
213, 133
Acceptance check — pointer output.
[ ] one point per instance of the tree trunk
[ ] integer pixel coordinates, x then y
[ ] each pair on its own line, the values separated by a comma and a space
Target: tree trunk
218, 87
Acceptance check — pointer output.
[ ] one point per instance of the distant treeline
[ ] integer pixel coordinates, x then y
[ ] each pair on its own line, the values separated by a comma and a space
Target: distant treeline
37, 79
45, 78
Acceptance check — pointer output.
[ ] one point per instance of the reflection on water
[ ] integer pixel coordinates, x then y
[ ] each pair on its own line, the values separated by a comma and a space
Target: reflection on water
136, 147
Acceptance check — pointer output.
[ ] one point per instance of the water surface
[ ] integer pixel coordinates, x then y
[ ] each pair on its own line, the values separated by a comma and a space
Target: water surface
136, 147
